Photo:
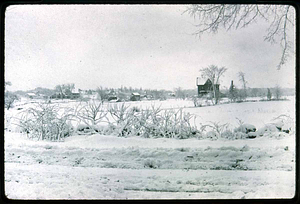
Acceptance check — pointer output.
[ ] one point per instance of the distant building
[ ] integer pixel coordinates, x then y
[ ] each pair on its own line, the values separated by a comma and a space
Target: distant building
31, 95
75, 95
112, 98
172, 94
135, 97
57, 96
205, 87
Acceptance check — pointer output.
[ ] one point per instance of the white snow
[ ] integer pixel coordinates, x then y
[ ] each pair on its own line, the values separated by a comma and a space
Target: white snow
109, 167
64, 182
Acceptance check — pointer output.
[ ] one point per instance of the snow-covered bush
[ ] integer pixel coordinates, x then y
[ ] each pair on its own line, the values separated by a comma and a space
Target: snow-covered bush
252, 135
245, 128
217, 130
228, 134
268, 128
84, 129
285, 123
123, 117
283, 126
91, 113
152, 122
152, 163
46, 122
240, 135
212, 135
276, 135
168, 123
197, 101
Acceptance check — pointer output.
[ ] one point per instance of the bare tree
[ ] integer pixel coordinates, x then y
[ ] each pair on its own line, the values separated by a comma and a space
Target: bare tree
278, 92
102, 93
213, 73
68, 88
10, 98
269, 95
91, 113
254, 92
59, 89
243, 93
64, 89
229, 16
179, 93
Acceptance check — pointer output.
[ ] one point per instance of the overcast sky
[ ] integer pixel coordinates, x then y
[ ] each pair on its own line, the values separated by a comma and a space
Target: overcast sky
137, 46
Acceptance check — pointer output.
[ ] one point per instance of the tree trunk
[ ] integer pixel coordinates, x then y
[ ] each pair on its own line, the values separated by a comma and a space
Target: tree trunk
214, 91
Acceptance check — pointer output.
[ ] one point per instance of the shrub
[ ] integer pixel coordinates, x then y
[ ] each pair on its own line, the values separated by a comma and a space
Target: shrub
10, 99
91, 113
216, 129
168, 123
239, 135
44, 122
228, 134
124, 118
288, 123
245, 128
197, 101
212, 135
151, 163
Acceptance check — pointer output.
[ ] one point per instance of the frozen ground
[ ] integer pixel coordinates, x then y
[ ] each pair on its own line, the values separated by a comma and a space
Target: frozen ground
110, 167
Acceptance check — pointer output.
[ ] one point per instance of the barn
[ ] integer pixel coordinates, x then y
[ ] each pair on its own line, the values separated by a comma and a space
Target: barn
135, 97
205, 86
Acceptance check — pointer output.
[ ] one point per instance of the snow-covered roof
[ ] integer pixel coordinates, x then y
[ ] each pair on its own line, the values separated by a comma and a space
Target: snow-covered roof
31, 94
201, 81
76, 90
136, 94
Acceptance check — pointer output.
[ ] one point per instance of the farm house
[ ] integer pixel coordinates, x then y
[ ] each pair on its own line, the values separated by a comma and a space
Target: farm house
205, 86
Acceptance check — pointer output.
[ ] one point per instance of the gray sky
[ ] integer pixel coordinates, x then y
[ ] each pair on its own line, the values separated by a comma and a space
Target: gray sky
137, 46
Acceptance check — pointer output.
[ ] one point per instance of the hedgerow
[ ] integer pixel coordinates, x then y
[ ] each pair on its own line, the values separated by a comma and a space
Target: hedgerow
46, 121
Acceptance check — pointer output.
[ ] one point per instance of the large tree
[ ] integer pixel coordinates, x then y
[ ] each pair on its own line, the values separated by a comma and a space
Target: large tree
64, 89
59, 89
269, 95
281, 19
213, 73
179, 93
243, 92
102, 93
232, 93
278, 92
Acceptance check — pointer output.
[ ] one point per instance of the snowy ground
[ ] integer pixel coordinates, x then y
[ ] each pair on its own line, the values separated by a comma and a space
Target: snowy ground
110, 167
255, 113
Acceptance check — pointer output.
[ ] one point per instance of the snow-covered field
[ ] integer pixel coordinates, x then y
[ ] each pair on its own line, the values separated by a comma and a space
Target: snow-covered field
109, 167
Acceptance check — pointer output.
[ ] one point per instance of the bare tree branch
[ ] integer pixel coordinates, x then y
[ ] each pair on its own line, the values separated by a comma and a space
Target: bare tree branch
212, 17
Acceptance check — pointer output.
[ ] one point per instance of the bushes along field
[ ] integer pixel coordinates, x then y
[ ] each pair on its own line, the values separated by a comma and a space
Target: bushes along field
47, 121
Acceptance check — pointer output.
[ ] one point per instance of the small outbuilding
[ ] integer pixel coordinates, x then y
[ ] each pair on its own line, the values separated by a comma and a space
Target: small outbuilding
31, 95
135, 97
